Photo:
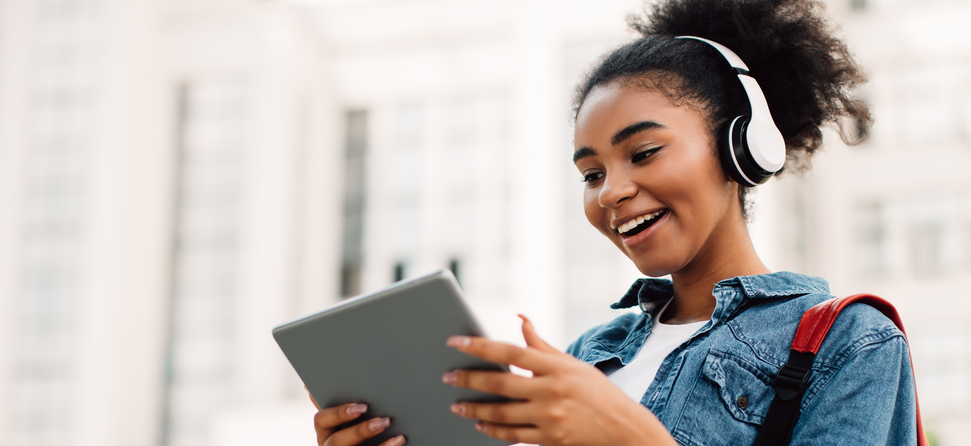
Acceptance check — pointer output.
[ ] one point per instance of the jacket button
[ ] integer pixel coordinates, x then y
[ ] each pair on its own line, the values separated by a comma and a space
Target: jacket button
742, 402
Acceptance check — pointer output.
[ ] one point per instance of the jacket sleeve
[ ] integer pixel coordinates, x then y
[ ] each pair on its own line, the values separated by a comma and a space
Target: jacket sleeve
868, 398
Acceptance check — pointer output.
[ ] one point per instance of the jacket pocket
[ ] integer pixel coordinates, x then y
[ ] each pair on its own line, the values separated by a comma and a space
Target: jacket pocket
727, 404
744, 390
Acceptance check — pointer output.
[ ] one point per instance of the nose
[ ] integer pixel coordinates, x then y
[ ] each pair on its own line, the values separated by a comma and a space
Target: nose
616, 189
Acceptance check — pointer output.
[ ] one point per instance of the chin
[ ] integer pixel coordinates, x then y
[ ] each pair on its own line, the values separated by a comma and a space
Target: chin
654, 268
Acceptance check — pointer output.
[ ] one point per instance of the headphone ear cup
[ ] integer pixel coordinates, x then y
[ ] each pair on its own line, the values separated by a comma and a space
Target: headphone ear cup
731, 142
738, 160
754, 148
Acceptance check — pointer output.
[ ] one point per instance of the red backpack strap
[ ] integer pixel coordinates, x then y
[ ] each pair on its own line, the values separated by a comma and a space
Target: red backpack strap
790, 382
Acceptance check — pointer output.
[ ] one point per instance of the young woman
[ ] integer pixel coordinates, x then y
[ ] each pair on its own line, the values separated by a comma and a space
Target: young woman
696, 366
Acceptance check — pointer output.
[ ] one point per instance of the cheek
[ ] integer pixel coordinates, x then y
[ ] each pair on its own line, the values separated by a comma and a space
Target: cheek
680, 182
695, 187
592, 209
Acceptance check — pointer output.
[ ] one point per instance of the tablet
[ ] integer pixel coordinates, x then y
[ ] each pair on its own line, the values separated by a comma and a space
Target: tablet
387, 349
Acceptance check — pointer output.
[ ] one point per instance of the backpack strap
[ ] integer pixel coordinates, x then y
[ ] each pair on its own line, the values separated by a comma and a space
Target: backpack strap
790, 382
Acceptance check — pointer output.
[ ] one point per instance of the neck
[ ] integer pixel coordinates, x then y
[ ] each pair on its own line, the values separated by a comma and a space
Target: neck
729, 253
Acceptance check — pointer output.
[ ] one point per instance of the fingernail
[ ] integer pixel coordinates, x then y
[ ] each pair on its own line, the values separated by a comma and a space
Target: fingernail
458, 409
357, 409
450, 378
379, 424
397, 441
458, 341
480, 427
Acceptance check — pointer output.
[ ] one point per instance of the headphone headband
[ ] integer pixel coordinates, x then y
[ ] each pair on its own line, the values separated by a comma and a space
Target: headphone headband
762, 150
729, 55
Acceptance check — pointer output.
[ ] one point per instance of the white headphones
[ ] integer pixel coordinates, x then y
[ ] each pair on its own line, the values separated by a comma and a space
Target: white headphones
754, 149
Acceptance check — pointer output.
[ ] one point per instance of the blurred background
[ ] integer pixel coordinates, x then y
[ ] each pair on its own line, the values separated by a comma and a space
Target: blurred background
179, 176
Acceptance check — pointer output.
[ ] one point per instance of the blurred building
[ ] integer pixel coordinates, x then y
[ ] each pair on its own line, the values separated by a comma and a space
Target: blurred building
165, 199
179, 176
893, 216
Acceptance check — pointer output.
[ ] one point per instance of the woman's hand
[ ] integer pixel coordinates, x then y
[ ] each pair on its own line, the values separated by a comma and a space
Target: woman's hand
566, 402
327, 420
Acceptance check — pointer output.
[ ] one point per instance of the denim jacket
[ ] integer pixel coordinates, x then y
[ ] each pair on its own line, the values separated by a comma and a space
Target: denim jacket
715, 388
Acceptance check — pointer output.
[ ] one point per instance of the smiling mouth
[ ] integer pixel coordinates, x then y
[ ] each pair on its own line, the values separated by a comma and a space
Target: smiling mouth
639, 224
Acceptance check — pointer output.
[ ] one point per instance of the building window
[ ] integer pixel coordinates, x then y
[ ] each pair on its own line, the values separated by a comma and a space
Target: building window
455, 267
944, 374
198, 361
408, 178
60, 114
350, 280
463, 139
355, 201
926, 249
399, 271
465, 117
463, 124
870, 235
60, 10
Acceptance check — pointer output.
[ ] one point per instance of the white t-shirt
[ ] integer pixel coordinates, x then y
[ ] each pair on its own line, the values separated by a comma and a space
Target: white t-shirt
635, 377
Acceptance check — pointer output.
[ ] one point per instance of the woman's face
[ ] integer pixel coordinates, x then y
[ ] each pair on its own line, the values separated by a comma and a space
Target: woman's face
653, 182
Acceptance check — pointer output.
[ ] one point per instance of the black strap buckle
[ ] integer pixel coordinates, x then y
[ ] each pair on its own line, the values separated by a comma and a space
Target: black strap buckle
791, 380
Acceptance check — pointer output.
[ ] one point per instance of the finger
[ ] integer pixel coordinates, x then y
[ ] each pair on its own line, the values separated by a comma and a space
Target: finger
532, 338
518, 413
503, 353
327, 419
359, 432
395, 441
312, 398
512, 434
498, 383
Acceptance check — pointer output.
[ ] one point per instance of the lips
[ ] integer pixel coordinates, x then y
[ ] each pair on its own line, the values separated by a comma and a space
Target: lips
640, 223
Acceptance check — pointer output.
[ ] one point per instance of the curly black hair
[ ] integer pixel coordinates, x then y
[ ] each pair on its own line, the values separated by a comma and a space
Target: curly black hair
806, 73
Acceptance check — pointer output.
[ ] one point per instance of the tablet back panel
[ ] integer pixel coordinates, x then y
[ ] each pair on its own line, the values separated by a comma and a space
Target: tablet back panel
388, 350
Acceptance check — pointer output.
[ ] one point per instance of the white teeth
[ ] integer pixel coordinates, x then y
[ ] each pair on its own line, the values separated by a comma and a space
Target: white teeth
631, 224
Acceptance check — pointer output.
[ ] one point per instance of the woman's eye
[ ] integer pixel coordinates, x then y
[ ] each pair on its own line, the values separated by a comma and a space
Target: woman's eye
643, 154
593, 176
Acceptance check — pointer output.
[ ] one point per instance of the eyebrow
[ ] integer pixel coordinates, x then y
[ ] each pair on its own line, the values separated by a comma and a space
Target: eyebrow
583, 152
619, 137
634, 129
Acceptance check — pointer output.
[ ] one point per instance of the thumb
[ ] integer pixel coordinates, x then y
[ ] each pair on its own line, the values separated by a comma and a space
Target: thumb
533, 339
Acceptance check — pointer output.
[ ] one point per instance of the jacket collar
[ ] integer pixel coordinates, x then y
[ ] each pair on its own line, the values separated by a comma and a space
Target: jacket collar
650, 293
